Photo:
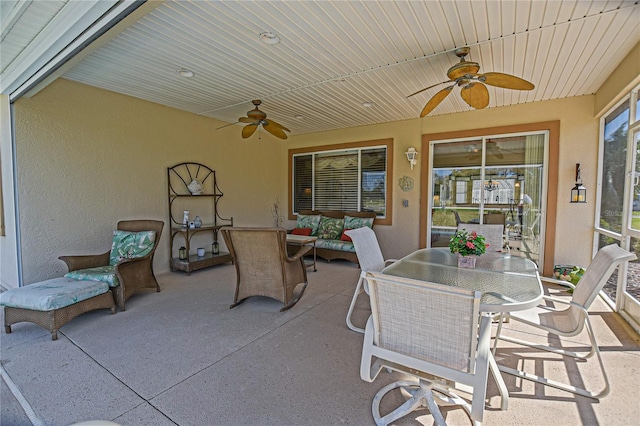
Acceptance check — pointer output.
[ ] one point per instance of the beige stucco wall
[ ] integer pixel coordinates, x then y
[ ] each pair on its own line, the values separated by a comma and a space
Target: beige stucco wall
624, 78
578, 144
88, 158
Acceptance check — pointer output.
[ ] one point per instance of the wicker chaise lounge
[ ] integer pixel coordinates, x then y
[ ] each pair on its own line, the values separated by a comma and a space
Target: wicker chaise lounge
53, 303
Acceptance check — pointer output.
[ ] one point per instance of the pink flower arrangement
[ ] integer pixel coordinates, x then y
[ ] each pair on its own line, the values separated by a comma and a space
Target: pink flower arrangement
467, 243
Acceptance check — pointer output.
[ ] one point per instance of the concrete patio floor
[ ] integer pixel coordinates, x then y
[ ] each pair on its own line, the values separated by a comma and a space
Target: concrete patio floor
182, 357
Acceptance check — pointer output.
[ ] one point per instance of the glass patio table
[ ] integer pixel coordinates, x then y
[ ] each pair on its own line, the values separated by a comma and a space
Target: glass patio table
507, 283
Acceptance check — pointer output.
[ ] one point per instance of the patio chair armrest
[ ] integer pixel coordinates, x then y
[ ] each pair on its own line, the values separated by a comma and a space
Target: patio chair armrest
131, 267
556, 299
85, 261
303, 250
565, 302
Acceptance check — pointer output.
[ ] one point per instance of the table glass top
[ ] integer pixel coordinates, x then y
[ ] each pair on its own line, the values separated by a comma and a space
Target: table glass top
506, 282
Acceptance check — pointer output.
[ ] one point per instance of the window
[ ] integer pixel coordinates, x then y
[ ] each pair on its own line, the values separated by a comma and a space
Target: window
352, 177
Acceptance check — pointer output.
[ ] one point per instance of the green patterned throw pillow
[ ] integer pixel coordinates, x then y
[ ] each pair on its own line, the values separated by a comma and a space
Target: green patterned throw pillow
127, 245
351, 222
308, 221
330, 228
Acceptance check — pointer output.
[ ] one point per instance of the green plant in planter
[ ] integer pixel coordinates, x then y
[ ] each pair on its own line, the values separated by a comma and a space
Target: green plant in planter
467, 243
568, 273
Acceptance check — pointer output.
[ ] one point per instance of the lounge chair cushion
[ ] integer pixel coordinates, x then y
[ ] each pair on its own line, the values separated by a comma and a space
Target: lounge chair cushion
127, 245
52, 294
105, 274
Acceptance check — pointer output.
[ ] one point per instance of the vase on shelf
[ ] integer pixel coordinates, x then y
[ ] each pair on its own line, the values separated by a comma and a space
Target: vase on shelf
197, 222
467, 261
195, 187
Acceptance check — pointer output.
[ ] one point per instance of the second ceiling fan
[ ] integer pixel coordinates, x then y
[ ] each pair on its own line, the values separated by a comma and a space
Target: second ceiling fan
256, 118
473, 92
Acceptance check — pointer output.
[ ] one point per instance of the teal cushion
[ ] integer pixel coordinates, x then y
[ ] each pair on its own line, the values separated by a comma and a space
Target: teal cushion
127, 245
351, 222
336, 245
52, 294
330, 228
105, 274
308, 221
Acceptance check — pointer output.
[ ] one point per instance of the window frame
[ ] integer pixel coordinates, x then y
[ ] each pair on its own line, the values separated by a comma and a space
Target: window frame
371, 144
553, 127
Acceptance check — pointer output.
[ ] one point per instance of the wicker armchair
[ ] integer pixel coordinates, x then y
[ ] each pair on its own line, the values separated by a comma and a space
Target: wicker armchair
134, 274
262, 265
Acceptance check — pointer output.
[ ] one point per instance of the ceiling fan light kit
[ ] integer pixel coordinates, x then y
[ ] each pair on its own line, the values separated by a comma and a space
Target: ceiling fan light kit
473, 90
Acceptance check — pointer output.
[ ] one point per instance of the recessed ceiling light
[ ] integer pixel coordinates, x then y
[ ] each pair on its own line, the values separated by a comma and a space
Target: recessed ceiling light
367, 104
185, 72
269, 37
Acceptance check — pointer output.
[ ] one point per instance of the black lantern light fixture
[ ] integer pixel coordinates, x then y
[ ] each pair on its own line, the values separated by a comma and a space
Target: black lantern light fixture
579, 192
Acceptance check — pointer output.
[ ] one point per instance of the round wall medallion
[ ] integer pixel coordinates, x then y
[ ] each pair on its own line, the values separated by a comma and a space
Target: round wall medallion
406, 183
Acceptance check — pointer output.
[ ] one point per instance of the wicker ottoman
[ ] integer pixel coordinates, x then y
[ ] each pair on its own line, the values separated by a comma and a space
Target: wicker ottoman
53, 303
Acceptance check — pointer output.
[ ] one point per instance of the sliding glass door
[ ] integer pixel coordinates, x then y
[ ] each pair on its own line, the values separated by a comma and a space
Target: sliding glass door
494, 179
619, 202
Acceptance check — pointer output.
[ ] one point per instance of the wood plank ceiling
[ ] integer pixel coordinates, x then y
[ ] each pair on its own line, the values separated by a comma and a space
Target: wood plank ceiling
336, 55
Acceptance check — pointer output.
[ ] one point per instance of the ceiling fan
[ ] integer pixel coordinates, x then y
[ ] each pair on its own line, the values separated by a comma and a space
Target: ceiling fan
473, 92
256, 118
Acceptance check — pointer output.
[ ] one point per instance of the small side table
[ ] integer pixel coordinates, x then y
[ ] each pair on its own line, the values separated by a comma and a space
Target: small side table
303, 240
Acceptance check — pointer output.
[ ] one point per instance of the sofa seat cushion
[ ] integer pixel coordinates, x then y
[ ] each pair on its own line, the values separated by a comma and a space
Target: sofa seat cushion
336, 245
330, 228
52, 294
105, 274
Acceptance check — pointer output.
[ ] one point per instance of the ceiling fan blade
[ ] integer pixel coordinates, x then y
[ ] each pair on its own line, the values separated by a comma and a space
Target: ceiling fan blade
226, 125
275, 129
247, 120
427, 88
507, 81
248, 130
435, 100
277, 125
476, 95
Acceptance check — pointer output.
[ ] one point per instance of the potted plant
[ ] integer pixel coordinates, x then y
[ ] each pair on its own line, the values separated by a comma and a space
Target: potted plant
467, 245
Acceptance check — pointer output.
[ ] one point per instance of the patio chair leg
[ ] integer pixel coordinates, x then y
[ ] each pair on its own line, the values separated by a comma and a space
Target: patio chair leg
353, 304
558, 385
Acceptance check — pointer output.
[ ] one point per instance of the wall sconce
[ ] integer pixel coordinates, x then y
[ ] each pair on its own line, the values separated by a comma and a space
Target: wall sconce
411, 156
578, 192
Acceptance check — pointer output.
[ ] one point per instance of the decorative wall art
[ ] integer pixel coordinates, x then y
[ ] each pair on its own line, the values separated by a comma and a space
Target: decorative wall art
406, 183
